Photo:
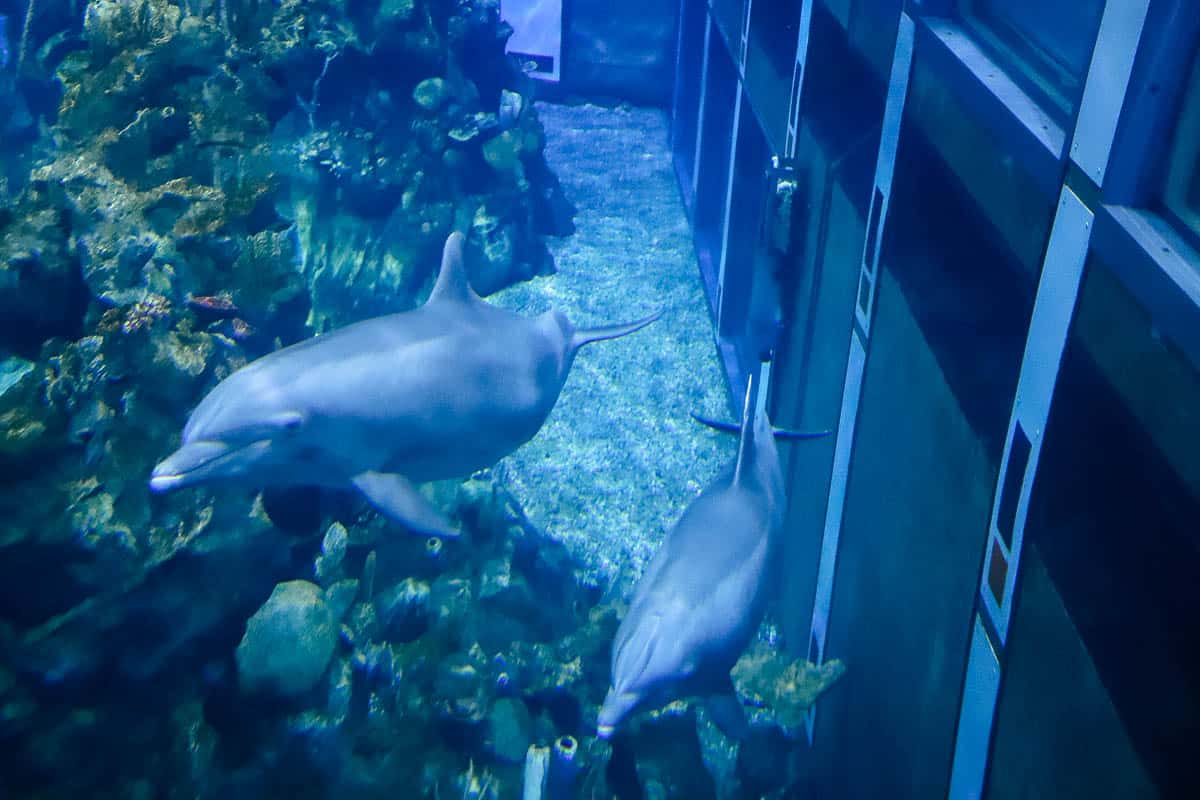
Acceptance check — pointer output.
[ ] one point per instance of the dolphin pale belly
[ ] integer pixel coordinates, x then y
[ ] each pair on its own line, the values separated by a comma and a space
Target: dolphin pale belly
437, 392
704, 592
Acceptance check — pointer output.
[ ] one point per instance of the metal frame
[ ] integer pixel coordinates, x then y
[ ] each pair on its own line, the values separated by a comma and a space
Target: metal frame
859, 337
738, 106
1036, 139
1057, 293
1107, 80
1104, 169
708, 27
1071, 240
793, 126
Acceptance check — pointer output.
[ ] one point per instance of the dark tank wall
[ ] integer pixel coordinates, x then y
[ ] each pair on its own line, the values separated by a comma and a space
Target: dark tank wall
620, 48
617, 50
974, 220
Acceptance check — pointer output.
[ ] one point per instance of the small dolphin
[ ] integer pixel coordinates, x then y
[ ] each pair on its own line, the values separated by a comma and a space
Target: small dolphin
437, 392
704, 593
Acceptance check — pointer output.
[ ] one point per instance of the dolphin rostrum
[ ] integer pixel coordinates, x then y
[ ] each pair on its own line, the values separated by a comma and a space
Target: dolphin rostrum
437, 392
704, 592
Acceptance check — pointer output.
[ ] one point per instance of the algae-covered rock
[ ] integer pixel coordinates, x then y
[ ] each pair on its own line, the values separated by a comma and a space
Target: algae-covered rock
23, 423
431, 93
786, 688
288, 642
404, 610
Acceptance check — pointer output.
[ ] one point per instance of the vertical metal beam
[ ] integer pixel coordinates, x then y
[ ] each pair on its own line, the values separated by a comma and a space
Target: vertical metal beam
975, 716
744, 37
1052, 310
1057, 293
738, 107
856, 362
708, 26
793, 126
1107, 81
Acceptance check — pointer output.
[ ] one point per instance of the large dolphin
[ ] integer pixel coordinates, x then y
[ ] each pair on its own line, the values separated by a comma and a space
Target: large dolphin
704, 593
437, 392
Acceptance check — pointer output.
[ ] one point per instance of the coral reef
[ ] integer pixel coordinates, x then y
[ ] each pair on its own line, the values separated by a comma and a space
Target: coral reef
186, 186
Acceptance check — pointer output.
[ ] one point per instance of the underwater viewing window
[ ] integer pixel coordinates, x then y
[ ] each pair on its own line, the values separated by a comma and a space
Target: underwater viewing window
727, 14
770, 57
1046, 47
685, 117
1181, 190
1102, 694
817, 293
952, 309
743, 258
712, 160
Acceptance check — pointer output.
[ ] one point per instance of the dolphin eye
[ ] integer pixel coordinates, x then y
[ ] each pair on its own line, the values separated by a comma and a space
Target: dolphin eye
289, 421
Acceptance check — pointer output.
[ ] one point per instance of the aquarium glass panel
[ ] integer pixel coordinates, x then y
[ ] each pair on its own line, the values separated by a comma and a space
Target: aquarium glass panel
1045, 46
817, 283
712, 175
727, 14
951, 314
1057, 733
743, 251
1181, 192
1106, 644
770, 58
685, 115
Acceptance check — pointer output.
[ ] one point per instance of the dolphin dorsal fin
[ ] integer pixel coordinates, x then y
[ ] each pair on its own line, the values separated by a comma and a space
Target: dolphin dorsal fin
746, 442
452, 282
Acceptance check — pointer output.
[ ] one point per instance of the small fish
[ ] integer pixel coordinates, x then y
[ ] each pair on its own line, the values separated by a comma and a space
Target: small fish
220, 306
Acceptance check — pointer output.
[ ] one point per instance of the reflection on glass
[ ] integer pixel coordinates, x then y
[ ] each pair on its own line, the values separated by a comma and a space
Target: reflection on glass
1113, 518
716, 121
1045, 46
1181, 194
728, 16
770, 58
687, 91
944, 354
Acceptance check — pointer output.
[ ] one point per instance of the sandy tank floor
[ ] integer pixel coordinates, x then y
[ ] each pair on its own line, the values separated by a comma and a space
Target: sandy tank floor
620, 457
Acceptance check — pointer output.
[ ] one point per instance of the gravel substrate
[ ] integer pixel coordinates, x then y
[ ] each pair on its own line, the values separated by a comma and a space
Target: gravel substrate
620, 458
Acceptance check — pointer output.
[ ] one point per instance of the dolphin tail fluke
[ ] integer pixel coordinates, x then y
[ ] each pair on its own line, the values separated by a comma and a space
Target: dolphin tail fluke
781, 434
396, 498
589, 335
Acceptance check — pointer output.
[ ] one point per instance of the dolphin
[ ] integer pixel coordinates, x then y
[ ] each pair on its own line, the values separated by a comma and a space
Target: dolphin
437, 392
704, 592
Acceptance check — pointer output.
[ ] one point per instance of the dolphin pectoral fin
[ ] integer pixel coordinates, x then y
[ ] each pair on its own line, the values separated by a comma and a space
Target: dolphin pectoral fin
727, 714
589, 335
785, 434
396, 497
